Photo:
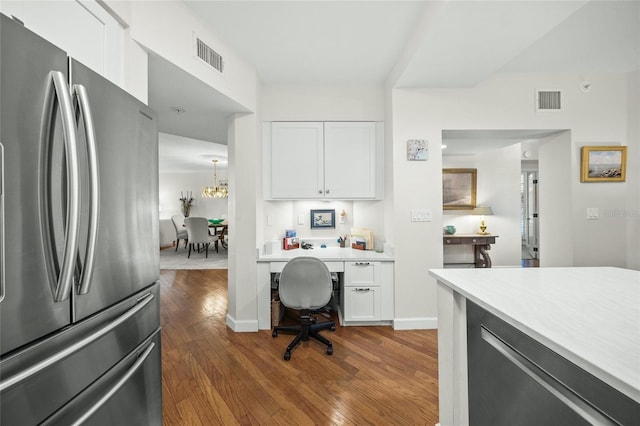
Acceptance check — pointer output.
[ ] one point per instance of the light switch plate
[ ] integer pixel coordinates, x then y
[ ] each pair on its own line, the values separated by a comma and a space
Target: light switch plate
592, 213
421, 215
300, 219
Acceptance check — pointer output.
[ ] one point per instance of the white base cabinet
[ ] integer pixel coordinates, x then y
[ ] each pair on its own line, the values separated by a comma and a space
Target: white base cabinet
366, 296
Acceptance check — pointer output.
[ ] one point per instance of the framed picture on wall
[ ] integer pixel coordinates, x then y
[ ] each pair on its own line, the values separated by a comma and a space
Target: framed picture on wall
459, 189
323, 219
603, 164
417, 150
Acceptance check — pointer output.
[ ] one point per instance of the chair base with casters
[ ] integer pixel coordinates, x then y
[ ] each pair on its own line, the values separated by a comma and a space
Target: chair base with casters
308, 328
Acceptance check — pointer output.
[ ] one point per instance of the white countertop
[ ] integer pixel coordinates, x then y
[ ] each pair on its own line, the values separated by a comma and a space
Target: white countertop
328, 254
591, 316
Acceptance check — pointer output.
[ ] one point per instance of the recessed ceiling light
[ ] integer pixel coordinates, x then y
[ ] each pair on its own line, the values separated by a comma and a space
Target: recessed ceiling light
178, 110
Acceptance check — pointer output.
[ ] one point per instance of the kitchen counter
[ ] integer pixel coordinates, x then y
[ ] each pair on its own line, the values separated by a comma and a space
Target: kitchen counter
590, 316
328, 254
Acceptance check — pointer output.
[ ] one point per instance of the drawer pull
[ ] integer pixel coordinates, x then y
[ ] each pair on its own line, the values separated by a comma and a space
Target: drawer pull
363, 289
362, 263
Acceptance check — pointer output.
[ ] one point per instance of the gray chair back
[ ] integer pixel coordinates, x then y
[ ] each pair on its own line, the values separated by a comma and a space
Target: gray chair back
178, 222
305, 283
198, 230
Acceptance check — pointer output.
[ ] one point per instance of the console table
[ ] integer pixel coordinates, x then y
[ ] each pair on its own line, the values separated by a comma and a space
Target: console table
481, 244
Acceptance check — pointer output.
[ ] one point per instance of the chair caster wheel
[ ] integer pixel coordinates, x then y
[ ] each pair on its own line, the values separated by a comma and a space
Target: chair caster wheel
287, 356
330, 350
333, 328
274, 334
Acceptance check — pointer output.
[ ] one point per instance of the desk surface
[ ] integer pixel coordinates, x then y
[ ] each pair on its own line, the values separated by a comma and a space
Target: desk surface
591, 316
329, 254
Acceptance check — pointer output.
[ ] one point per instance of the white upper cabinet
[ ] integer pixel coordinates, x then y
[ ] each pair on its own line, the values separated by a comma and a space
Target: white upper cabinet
332, 160
83, 28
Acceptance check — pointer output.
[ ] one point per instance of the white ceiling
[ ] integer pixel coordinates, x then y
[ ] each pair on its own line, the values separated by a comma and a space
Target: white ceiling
414, 43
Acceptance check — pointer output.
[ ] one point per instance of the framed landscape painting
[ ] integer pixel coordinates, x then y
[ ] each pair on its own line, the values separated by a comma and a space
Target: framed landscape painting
323, 219
603, 164
459, 189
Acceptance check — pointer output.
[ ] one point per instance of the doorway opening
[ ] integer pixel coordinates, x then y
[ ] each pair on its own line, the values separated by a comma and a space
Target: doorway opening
529, 224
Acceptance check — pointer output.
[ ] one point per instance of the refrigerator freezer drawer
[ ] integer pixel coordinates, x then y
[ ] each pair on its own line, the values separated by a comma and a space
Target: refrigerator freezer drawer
40, 379
129, 394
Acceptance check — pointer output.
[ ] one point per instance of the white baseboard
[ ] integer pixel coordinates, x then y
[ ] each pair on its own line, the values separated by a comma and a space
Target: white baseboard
242, 326
415, 323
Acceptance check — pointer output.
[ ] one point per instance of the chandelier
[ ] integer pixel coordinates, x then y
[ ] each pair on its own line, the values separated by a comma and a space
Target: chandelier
215, 191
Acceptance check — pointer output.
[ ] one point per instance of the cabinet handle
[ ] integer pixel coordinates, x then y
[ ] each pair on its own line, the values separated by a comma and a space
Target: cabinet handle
362, 264
448, 241
326, 191
319, 191
363, 289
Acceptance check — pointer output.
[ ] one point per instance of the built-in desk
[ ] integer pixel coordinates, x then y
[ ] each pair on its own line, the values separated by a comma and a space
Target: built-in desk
366, 288
480, 243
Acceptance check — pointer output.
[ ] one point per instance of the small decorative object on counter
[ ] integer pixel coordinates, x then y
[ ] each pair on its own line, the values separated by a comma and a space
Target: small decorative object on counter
449, 229
358, 243
342, 240
187, 202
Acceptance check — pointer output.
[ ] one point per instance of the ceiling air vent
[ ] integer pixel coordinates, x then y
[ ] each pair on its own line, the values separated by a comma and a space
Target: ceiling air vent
548, 100
208, 55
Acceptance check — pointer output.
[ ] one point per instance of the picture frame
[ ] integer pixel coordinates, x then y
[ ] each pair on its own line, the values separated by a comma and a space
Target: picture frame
323, 219
417, 150
603, 164
459, 189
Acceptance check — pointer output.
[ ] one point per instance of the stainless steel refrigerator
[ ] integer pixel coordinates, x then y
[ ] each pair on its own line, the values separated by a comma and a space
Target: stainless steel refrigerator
79, 257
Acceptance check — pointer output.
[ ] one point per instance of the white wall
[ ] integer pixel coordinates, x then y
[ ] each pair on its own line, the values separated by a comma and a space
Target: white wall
505, 101
167, 28
632, 211
173, 184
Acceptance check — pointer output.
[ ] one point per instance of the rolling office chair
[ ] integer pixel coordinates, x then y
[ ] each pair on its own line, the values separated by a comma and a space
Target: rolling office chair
181, 231
305, 285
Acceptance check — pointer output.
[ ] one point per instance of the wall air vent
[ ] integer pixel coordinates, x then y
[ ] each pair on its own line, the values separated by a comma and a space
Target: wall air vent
548, 100
208, 55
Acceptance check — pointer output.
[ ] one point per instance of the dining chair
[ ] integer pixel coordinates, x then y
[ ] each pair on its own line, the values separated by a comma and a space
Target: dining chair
181, 231
198, 233
220, 234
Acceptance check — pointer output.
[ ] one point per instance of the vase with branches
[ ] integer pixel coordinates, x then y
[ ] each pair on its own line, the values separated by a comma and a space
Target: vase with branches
187, 202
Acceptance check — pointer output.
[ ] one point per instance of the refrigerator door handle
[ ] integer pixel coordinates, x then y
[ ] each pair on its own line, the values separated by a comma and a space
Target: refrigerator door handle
48, 362
84, 108
57, 88
2, 267
114, 389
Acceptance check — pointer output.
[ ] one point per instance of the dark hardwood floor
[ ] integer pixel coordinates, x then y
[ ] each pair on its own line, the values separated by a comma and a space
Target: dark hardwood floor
214, 376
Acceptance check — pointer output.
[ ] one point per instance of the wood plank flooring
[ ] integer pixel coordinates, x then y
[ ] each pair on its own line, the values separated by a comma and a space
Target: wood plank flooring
214, 376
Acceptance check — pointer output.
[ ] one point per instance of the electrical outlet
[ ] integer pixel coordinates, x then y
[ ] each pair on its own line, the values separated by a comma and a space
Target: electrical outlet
592, 213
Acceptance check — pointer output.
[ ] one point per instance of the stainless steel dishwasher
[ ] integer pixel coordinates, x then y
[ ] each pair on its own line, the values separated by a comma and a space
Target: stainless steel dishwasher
515, 380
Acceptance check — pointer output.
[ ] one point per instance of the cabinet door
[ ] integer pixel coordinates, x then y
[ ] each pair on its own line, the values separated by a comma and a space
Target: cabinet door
297, 161
360, 274
350, 160
362, 304
84, 29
